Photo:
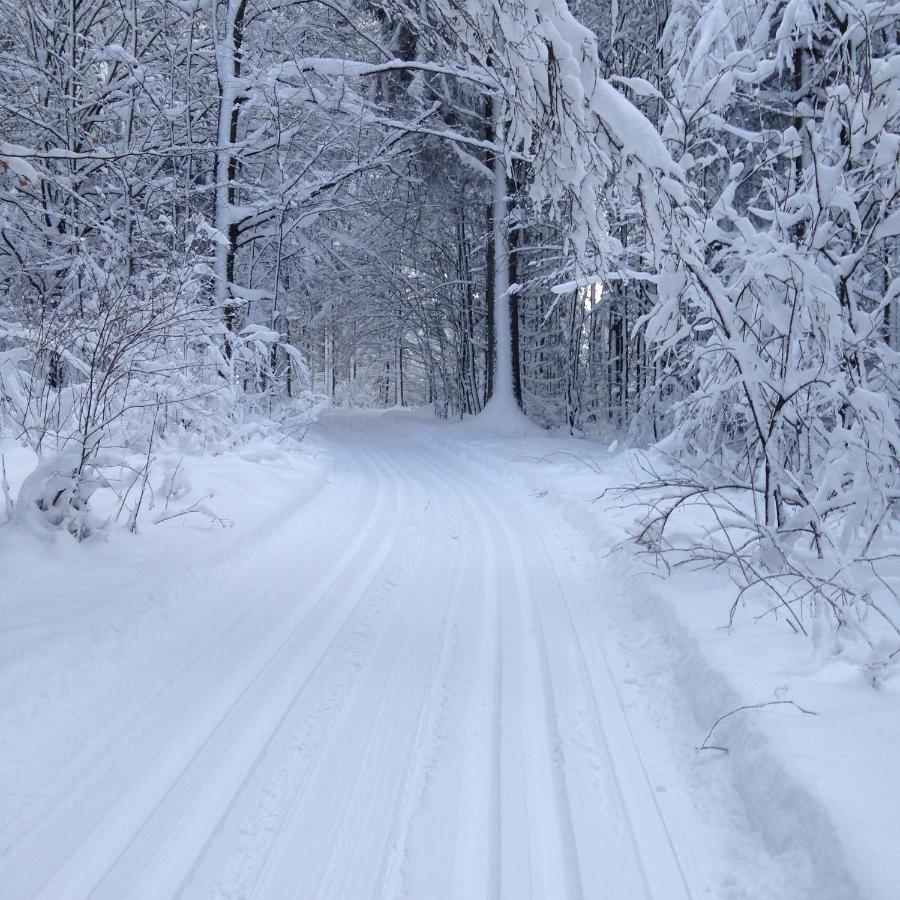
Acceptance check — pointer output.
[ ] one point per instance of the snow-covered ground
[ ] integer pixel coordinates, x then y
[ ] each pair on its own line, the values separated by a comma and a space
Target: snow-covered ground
413, 668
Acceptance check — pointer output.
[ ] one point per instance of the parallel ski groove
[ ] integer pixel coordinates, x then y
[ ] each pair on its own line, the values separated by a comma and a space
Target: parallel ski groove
416, 704
390, 882
276, 859
99, 865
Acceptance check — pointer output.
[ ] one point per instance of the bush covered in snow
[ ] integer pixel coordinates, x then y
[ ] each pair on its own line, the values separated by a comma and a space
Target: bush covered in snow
98, 383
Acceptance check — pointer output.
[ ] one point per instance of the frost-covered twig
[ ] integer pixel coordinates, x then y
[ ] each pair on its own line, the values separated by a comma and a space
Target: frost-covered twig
198, 507
707, 746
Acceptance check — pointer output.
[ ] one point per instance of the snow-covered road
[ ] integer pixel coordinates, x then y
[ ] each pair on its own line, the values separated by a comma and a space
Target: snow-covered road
407, 699
398, 676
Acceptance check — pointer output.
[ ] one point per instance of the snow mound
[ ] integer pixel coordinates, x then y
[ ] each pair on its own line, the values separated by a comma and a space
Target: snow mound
501, 417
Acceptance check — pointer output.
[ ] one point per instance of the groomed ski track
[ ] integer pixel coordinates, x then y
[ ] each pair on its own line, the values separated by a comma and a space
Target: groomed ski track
402, 694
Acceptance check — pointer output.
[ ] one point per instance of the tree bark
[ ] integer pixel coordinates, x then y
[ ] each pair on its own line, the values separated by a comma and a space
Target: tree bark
229, 71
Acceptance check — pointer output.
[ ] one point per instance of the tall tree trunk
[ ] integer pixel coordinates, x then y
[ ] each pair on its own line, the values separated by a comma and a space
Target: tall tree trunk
504, 384
229, 56
500, 311
515, 352
489, 261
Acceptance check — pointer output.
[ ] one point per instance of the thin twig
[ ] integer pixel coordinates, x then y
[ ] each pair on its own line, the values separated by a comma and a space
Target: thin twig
707, 746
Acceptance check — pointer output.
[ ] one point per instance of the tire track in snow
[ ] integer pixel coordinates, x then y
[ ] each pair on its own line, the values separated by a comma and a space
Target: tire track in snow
413, 825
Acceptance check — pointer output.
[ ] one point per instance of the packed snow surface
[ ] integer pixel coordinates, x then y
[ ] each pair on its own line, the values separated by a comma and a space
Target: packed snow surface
402, 673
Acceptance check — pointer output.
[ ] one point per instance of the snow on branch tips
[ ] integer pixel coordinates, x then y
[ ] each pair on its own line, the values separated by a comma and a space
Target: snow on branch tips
14, 160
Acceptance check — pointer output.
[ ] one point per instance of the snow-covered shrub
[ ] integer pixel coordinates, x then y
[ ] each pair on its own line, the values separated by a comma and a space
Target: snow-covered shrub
777, 291
97, 382
56, 494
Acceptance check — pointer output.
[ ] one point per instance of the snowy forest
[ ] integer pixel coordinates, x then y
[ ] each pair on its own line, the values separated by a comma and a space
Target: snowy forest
667, 230
675, 221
